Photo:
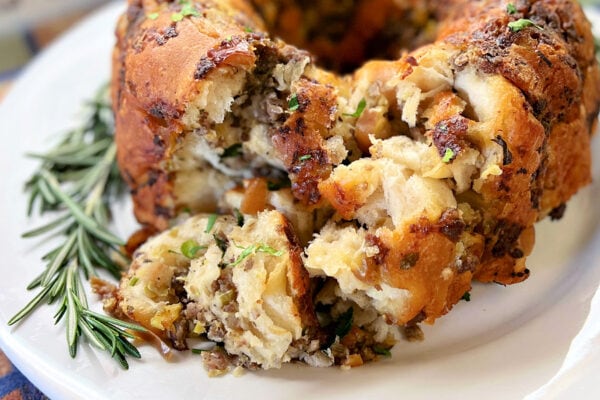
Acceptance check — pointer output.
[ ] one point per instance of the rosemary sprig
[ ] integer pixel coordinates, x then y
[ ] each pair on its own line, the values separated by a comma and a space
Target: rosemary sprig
76, 180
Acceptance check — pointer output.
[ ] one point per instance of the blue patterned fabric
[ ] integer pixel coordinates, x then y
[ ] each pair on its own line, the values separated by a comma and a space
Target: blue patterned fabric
14, 385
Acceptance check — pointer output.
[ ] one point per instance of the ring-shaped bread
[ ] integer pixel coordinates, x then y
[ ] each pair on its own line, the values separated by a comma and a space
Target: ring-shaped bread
404, 179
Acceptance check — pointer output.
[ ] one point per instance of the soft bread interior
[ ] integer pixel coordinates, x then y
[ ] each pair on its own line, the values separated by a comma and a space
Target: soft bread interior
241, 285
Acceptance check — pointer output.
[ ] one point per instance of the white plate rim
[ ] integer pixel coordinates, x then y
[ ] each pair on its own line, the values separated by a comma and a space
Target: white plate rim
45, 371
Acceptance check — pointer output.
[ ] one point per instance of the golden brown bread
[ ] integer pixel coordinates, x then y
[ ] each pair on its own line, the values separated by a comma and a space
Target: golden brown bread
415, 174
149, 105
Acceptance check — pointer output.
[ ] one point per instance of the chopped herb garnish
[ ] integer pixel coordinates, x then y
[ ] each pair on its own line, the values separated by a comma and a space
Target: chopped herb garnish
359, 110
189, 248
522, 23
248, 29
211, 223
382, 351
176, 17
133, 281
189, 10
253, 249
152, 16
511, 9
448, 155
235, 150
344, 323
293, 104
221, 243
238, 216
77, 180
466, 296
305, 157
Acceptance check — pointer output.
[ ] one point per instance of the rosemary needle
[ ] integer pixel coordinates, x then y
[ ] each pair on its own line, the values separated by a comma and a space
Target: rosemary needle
76, 180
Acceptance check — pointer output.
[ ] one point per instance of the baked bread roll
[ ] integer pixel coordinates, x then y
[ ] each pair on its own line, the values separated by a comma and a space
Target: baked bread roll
405, 177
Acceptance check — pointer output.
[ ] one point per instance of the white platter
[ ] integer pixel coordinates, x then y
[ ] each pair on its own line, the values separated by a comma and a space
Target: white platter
504, 344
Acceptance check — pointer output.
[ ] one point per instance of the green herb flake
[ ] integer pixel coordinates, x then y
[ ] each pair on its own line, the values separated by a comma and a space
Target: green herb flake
466, 296
189, 10
152, 16
382, 351
344, 323
133, 281
253, 249
511, 9
293, 104
197, 351
221, 243
235, 150
211, 223
362, 104
176, 17
248, 29
239, 217
516, 26
190, 248
448, 156
305, 157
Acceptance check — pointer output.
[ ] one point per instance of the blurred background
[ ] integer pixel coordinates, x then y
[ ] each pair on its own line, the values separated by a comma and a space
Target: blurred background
27, 26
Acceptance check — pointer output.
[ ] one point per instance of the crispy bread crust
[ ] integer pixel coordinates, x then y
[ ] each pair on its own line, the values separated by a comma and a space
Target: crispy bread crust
526, 97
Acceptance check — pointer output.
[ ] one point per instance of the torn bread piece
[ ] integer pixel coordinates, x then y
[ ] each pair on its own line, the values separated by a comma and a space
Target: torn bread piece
239, 285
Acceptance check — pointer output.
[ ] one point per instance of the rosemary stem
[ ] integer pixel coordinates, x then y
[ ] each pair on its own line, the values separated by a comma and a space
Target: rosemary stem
72, 312
58, 260
96, 193
75, 180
